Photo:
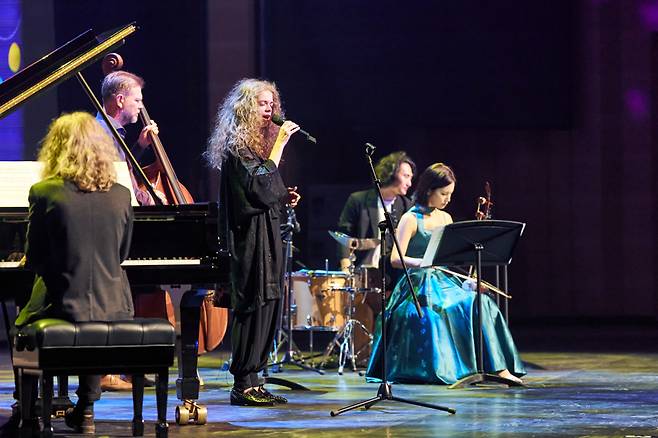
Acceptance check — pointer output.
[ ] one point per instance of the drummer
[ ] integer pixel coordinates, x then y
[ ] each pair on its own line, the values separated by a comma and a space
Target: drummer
363, 211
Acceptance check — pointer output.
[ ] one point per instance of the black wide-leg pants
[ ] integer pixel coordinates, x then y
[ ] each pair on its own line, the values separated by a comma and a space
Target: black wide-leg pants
252, 335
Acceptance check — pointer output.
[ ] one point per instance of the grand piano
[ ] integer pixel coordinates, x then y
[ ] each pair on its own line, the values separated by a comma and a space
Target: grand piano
194, 251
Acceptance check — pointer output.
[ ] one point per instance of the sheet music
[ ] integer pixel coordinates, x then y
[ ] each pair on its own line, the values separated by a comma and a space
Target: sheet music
16, 178
428, 258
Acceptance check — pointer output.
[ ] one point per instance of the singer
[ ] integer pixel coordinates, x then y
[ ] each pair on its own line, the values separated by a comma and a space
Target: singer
246, 148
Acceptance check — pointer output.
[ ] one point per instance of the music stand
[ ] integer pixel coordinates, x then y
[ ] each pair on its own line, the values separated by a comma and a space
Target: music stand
475, 243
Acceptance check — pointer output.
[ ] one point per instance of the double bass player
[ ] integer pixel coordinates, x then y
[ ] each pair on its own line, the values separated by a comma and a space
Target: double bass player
121, 92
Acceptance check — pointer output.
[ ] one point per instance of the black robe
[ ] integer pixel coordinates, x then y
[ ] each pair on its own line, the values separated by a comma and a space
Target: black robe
253, 192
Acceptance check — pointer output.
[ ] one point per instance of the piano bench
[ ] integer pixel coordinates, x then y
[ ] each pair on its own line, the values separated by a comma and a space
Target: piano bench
54, 347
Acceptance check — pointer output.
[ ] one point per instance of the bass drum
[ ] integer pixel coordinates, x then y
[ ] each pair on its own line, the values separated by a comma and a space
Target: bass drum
305, 311
322, 299
365, 315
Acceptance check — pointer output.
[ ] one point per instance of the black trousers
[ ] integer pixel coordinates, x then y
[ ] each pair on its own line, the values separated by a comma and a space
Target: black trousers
252, 335
89, 389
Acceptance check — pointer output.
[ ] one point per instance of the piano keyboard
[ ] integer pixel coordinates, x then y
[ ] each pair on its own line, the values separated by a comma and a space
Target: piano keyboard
130, 262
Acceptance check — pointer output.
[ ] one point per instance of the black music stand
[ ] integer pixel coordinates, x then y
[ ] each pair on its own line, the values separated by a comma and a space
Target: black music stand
475, 243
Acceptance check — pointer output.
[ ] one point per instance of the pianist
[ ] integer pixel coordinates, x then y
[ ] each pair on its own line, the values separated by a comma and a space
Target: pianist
80, 225
246, 147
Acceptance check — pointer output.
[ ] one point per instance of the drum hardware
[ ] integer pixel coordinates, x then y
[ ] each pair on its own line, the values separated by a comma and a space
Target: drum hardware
353, 243
284, 330
344, 340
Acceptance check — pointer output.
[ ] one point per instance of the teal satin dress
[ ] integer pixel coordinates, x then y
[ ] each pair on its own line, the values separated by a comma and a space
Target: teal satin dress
440, 347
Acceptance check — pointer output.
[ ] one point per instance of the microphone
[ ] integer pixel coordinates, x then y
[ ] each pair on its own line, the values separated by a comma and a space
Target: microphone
370, 149
278, 120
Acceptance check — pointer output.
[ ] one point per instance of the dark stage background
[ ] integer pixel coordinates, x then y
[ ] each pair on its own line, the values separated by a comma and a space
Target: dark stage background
169, 52
553, 102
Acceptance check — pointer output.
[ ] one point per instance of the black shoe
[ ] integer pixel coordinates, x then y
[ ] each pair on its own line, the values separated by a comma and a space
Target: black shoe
250, 398
277, 399
148, 382
81, 420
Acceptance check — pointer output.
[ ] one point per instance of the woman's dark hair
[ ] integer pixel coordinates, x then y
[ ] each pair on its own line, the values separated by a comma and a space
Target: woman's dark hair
388, 166
436, 176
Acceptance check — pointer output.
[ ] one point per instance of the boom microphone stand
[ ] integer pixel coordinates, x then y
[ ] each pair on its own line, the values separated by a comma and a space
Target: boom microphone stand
385, 391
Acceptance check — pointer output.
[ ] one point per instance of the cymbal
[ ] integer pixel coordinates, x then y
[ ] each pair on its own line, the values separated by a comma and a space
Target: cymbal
353, 242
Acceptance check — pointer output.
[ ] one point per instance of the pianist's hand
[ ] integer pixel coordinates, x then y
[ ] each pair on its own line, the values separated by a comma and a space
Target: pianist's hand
143, 140
293, 197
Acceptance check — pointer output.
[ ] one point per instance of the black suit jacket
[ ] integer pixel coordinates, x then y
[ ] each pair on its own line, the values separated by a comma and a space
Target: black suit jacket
76, 242
359, 218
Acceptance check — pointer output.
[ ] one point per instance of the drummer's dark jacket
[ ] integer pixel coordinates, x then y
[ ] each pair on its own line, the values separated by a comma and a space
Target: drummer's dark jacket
76, 241
252, 194
359, 218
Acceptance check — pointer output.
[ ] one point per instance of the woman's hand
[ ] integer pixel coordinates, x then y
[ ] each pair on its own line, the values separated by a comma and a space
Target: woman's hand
293, 197
285, 132
287, 129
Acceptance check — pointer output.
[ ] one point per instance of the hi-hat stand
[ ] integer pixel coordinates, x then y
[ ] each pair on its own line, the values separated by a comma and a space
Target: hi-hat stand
285, 314
344, 338
385, 391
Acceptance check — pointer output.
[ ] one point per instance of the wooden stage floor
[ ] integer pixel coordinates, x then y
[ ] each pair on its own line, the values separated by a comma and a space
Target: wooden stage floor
568, 394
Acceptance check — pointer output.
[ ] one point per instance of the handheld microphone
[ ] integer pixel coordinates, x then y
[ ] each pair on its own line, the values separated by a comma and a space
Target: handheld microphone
278, 120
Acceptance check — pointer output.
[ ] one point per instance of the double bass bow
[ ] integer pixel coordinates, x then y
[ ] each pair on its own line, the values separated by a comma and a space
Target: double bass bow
161, 173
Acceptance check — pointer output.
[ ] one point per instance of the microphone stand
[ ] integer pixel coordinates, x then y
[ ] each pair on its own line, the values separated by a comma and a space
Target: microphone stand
385, 391
287, 231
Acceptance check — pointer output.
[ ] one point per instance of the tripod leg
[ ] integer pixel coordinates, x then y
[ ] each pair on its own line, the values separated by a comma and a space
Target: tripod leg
351, 348
364, 346
425, 405
368, 403
330, 347
344, 346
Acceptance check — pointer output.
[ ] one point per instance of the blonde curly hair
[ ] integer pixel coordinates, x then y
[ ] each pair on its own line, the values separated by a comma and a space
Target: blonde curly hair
78, 149
239, 126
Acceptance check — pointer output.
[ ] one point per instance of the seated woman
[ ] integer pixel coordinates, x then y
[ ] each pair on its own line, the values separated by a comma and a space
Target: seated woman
80, 226
440, 347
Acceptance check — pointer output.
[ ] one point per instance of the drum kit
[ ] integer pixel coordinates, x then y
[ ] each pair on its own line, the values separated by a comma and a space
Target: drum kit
337, 301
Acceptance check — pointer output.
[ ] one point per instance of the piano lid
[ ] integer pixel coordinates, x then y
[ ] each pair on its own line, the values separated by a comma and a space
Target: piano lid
58, 66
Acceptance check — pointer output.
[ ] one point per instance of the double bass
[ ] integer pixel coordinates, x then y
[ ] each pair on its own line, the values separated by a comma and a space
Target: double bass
171, 191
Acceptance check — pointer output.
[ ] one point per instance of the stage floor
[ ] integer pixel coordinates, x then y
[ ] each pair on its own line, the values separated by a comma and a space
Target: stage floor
568, 394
